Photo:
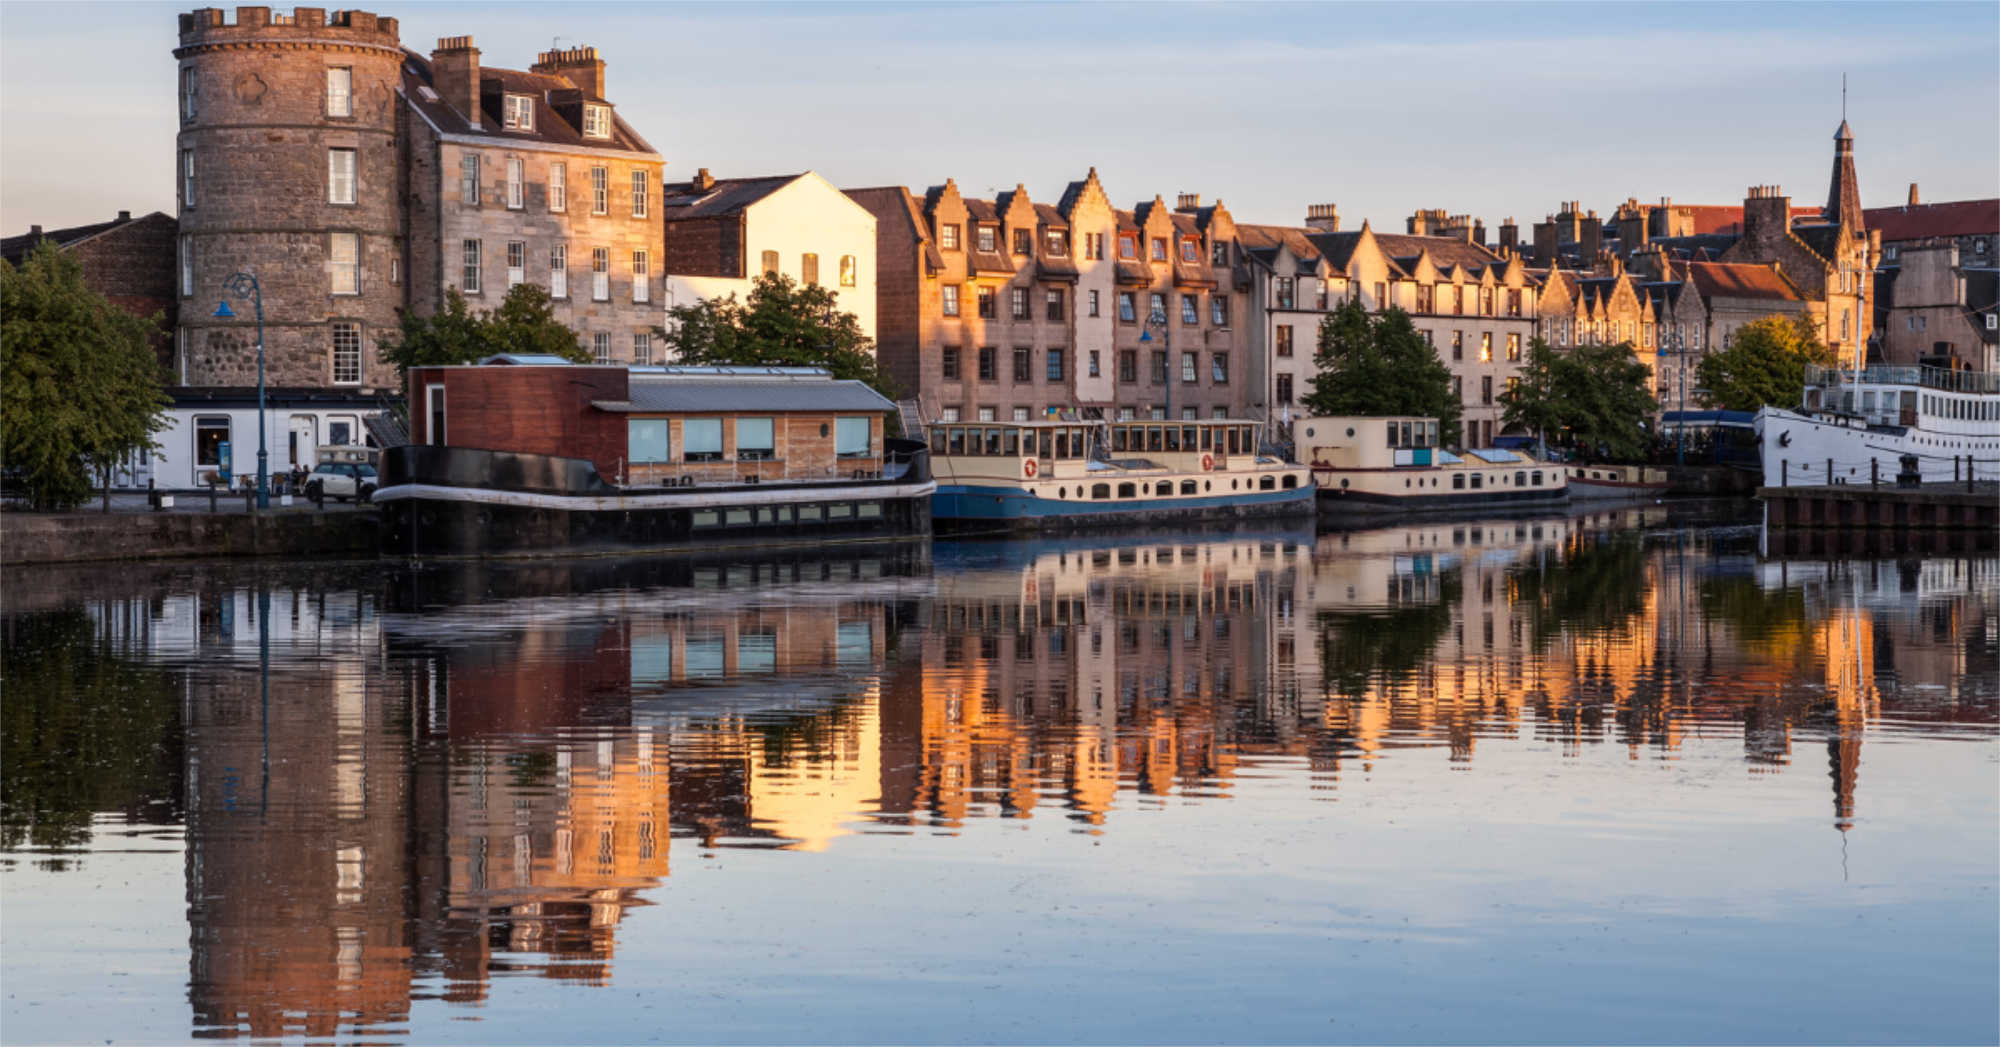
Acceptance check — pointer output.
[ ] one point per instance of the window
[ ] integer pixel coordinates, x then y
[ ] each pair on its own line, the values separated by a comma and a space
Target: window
1458, 345
1156, 308
1024, 241
1159, 367
950, 292
600, 274
1190, 362
340, 176
1093, 246
642, 277
514, 187
1458, 300
558, 186
847, 270
1159, 249
469, 274
1128, 245
989, 363
1024, 365
1218, 310
559, 271
948, 363
1284, 333
948, 236
1486, 301
851, 437
642, 348
1486, 389
1219, 253
1285, 292
468, 179
1020, 414
1513, 384
517, 113
1284, 388
1093, 303
701, 440
187, 179
1513, 346
1055, 243
344, 263
596, 121
1190, 310
1426, 297
1513, 301
1218, 368
1128, 365
395, 270
1095, 371
809, 268
1055, 365
1052, 305
1457, 388
600, 347
1190, 250
1381, 295
769, 263
1485, 347
210, 434
646, 440
434, 407
1017, 302
755, 439
1125, 307
346, 353
188, 84
517, 262
987, 238
982, 302
641, 194
600, 190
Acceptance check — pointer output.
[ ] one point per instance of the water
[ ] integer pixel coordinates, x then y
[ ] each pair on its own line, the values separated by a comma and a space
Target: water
1604, 779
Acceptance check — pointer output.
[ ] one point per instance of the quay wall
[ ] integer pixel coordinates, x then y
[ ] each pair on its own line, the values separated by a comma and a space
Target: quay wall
27, 538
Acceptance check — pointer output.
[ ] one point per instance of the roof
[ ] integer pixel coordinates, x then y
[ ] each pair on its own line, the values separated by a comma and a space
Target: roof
15, 248
1951, 218
527, 360
550, 127
1444, 250
1727, 218
705, 394
1262, 242
895, 203
727, 196
1741, 280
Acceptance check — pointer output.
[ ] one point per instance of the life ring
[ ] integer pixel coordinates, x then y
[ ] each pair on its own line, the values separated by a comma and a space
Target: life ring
1028, 468
1207, 462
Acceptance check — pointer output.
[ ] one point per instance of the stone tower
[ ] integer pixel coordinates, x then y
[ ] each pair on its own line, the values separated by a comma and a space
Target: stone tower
287, 169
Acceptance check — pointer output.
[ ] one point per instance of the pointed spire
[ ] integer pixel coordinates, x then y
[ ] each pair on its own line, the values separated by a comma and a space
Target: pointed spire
1843, 197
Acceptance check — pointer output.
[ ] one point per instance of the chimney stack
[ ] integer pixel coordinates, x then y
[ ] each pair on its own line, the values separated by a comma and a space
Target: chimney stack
1590, 236
1323, 217
1510, 236
1189, 202
35, 231
1914, 202
578, 65
703, 181
124, 216
455, 75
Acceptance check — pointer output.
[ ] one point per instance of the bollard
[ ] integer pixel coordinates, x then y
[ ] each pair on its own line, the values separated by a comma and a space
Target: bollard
1829, 472
1874, 472
1785, 473
1954, 468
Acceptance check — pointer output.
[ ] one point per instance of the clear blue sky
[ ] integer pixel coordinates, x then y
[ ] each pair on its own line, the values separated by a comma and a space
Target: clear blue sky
1489, 109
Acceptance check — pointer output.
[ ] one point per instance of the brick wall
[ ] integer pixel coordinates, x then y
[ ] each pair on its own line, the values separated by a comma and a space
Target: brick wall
133, 266
534, 410
705, 247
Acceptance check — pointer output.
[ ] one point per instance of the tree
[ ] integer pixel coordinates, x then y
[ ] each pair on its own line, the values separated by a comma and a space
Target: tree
524, 323
1765, 364
1381, 365
80, 387
1593, 397
782, 324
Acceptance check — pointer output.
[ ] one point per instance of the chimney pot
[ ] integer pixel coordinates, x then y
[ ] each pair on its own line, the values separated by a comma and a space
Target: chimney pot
124, 216
1914, 202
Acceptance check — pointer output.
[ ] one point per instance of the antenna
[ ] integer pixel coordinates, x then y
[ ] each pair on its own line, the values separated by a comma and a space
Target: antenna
1843, 98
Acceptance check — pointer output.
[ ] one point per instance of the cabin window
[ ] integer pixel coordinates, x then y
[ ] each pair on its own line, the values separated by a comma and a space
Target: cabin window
1207, 438
1265, 484
1233, 443
1477, 480
993, 442
701, 440
956, 446
850, 437
1173, 437
1407, 442
1010, 443
1521, 478
1043, 443
1291, 481
1163, 488
1188, 487
1118, 439
1127, 490
755, 440
1458, 482
1392, 434
646, 440
1535, 478
1100, 490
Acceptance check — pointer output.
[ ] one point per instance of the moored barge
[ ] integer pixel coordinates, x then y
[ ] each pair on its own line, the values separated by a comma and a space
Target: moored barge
1371, 468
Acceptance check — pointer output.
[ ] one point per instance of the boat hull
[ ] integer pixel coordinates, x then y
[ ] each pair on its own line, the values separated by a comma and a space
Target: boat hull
1798, 451
1336, 505
986, 508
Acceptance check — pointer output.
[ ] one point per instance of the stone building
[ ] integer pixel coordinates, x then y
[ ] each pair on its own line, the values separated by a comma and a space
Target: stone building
1938, 283
287, 169
130, 261
532, 177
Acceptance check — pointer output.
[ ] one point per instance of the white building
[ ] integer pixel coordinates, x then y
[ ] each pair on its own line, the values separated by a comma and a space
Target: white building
722, 233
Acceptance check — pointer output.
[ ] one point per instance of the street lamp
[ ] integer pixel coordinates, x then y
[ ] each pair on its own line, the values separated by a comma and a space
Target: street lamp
1158, 319
1680, 356
242, 284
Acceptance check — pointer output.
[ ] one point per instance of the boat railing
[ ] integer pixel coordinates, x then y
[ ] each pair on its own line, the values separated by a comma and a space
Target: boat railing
1940, 378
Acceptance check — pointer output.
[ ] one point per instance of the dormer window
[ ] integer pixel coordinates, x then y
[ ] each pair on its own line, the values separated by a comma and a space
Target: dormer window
596, 121
1159, 249
1128, 245
987, 238
1055, 243
518, 113
1190, 250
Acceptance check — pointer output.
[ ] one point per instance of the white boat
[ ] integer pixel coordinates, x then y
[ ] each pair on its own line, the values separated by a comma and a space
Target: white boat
1372, 467
1068, 475
1857, 426
1615, 483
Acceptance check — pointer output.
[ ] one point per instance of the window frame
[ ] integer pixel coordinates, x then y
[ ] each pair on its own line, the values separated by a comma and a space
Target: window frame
698, 431
351, 329
642, 193
765, 452
600, 347
334, 176
468, 180
600, 274
665, 440
596, 121
559, 271
517, 112
335, 266
600, 189
642, 276
472, 264
517, 262
558, 186
517, 188
949, 300
843, 429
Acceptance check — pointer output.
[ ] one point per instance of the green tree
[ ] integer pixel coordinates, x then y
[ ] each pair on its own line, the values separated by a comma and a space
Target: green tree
1765, 364
80, 387
524, 323
1593, 397
782, 324
1381, 365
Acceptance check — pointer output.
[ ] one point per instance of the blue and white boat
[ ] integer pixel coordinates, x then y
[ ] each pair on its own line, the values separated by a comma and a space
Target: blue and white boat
1369, 468
1072, 475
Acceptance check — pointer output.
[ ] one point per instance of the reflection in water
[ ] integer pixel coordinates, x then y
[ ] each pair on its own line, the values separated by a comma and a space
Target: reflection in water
453, 775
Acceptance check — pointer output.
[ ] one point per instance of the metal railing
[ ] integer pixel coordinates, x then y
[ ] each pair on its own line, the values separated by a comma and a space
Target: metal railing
1940, 378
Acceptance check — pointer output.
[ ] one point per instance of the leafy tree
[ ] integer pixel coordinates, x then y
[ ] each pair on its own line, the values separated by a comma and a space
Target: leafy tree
1593, 397
1381, 365
1764, 365
80, 387
524, 323
782, 324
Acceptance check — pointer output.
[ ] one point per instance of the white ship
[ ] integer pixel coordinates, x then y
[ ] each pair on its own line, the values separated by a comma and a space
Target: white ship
1856, 426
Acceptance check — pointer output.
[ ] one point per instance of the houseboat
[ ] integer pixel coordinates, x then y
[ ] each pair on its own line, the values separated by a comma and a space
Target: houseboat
1071, 475
1615, 483
535, 455
1855, 427
1368, 468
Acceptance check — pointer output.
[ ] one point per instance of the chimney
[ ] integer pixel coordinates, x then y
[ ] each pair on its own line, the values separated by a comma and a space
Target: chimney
455, 75
1510, 236
1323, 217
1189, 202
1767, 214
1479, 231
124, 216
1590, 236
1546, 241
1914, 202
35, 231
578, 65
703, 181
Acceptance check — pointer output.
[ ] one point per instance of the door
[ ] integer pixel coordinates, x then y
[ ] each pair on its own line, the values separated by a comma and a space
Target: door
303, 440
434, 432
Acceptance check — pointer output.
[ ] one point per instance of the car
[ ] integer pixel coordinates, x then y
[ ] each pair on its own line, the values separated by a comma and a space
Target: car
341, 481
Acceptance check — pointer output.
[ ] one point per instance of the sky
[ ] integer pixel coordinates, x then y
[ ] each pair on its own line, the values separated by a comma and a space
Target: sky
1493, 110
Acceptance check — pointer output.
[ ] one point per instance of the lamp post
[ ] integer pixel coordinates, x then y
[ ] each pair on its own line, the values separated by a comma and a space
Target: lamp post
1158, 318
242, 284
1680, 358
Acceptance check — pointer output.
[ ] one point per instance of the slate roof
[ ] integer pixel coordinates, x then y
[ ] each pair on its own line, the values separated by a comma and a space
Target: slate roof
1050, 217
1444, 250
744, 395
15, 248
1951, 218
1823, 239
728, 196
1741, 280
550, 127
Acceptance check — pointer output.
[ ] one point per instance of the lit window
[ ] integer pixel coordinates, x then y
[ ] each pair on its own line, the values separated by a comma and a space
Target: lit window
948, 236
847, 270
1486, 347
770, 263
518, 113
596, 121
346, 353
559, 271
558, 186
600, 190
639, 194
340, 176
600, 274
344, 263
514, 186
469, 280
809, 269
642, 277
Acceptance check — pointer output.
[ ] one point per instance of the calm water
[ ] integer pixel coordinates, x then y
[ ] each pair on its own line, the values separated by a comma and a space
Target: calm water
1606, 779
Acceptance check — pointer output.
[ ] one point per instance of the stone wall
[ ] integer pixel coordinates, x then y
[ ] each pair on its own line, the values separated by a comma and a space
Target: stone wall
73, 537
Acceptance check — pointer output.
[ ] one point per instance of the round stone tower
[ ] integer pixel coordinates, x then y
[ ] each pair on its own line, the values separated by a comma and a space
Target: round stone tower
287, 170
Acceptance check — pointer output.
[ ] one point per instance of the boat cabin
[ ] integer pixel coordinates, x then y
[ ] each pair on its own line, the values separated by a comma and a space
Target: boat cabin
1365, 442
1071, 450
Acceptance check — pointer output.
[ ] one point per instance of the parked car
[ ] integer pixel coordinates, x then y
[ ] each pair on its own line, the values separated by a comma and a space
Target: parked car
341, 481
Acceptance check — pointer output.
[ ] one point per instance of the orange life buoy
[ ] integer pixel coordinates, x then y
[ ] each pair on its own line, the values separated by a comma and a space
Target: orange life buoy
1028, 468
1207, 462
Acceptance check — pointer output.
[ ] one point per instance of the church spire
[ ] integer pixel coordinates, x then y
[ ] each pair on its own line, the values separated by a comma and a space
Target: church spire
1843, 196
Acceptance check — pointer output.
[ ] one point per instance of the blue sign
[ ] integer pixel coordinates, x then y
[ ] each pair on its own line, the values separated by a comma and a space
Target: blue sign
222, 463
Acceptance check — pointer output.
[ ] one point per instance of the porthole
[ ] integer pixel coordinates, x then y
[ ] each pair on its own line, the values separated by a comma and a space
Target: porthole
1062, 492
1406, 484
1207, 485
1343, 483
1350, 431
1309, 431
